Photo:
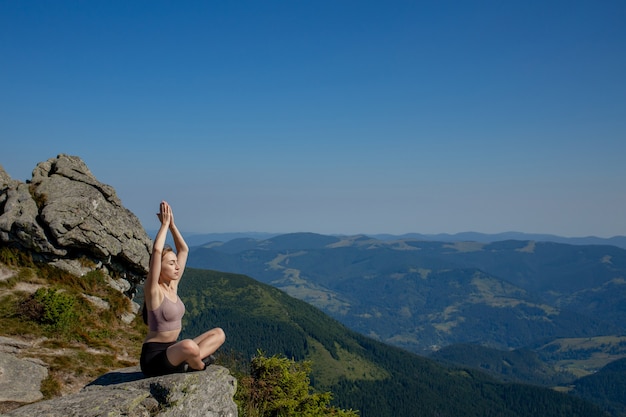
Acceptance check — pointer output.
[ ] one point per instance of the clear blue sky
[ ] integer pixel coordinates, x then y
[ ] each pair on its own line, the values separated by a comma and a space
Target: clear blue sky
329, 116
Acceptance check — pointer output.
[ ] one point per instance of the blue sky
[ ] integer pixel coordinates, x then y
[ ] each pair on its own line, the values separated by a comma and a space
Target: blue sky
329, 116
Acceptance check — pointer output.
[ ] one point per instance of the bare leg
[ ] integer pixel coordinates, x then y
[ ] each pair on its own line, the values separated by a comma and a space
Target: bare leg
194, 350
210, 341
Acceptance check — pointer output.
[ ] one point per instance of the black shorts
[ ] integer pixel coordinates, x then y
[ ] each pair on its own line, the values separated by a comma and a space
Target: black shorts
154, 360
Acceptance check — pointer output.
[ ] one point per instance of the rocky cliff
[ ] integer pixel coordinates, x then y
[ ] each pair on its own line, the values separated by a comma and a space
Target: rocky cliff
66, 217
126, 392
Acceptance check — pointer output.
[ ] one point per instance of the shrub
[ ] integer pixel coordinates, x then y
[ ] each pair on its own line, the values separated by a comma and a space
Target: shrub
50, 307
279, 387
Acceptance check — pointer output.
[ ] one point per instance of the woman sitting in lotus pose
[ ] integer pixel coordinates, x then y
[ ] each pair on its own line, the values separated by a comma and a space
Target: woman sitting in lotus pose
161, 353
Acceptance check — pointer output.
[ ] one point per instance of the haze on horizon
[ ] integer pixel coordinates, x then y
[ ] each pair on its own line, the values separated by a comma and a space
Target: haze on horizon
329, 117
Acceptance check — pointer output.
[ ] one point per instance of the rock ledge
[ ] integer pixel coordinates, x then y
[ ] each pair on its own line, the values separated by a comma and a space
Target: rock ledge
126, 392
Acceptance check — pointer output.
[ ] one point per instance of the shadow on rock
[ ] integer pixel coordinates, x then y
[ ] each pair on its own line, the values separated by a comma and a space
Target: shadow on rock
118, 377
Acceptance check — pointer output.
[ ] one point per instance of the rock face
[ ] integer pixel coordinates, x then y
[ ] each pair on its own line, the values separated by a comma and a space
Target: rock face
65, 216
20, 379
127, 393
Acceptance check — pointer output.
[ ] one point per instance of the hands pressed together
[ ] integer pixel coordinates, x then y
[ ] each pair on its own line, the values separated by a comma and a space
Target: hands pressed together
165, 215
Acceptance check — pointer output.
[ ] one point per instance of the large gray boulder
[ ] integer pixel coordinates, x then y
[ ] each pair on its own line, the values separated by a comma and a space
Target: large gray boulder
65, 216
20, 379
126, 392
20, 375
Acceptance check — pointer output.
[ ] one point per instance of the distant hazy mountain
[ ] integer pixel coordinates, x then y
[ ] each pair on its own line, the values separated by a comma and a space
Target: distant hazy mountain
422, 295
197, 239
619, 241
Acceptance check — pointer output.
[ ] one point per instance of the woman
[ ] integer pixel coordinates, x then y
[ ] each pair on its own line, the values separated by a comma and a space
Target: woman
161, 353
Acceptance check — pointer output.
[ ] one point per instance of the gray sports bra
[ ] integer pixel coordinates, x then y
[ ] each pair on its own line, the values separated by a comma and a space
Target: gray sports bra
167, 316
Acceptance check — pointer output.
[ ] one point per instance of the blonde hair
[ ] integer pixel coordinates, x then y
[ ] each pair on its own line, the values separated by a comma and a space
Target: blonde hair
166, 249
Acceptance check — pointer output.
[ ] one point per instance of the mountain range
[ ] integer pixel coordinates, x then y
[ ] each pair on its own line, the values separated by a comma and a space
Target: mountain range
425, 295
372, 377
523, 311
197, 239
490, 314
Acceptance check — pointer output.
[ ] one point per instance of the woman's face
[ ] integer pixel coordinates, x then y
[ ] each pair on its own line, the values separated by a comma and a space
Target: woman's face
169, 266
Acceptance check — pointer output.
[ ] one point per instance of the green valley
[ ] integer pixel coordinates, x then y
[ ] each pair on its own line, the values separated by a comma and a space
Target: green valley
363, 374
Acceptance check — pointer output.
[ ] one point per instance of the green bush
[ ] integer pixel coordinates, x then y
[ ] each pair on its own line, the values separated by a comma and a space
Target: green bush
279, 387
50, 307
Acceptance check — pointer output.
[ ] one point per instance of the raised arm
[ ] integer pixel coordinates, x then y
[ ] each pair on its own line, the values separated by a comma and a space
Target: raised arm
152, 293
182, 250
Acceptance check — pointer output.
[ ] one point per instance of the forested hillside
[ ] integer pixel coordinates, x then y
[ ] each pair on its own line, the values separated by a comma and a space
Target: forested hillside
520, 365
363, 374
606, 387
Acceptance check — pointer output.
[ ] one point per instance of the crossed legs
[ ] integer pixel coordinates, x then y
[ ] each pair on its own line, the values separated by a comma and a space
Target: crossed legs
194, 350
